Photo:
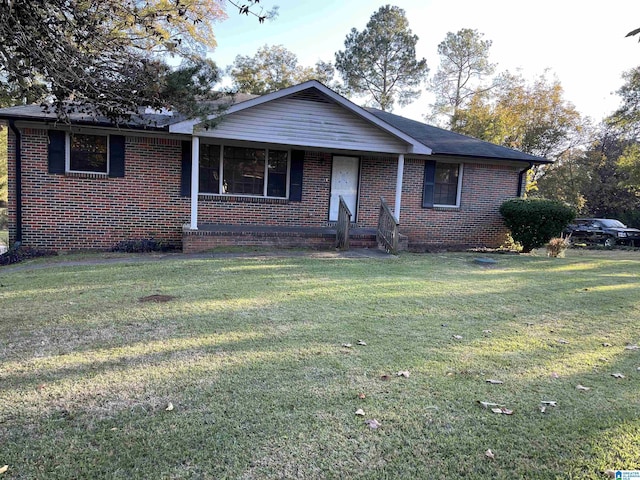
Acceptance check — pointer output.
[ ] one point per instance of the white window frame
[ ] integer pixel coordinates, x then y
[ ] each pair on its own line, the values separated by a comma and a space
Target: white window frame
458, 188
67, 154
266, 174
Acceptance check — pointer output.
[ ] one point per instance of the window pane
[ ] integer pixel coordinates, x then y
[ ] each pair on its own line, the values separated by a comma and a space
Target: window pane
446, 184
88, 153
209, 169
277, 180
243, 171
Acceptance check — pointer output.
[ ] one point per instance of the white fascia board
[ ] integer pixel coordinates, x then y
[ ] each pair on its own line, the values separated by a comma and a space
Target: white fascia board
417, 147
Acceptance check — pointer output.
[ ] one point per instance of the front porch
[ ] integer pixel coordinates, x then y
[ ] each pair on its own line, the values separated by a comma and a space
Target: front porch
211, 236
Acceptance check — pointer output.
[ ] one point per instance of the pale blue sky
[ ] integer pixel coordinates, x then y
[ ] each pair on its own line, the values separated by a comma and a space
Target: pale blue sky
581, 42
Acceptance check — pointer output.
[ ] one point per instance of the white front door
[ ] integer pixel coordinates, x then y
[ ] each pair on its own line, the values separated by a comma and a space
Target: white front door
344, 181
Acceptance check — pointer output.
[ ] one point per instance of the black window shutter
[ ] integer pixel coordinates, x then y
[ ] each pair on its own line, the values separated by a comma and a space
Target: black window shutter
57, 151
185, 189
116, 156
295, 175
429, 183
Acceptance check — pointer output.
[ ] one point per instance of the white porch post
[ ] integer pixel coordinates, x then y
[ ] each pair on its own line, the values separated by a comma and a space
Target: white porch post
195, 180
399, 186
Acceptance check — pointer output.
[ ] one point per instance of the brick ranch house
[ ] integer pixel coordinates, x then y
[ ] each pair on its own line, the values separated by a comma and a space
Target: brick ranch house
272, 170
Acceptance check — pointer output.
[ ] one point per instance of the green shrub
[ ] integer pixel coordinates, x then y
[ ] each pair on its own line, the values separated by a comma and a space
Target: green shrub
535, 221
143, 245
15, 255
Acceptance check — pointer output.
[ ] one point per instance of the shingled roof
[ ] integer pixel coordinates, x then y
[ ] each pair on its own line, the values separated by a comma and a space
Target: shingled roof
445, 142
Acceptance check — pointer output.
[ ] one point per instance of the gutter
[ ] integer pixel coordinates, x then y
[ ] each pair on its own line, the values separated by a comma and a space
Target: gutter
18, 135
520, 177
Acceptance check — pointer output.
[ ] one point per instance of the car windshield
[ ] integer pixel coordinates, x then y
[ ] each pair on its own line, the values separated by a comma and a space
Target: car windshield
613, 224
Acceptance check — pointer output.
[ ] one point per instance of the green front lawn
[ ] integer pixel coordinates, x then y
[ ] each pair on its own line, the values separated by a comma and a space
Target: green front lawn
249, 352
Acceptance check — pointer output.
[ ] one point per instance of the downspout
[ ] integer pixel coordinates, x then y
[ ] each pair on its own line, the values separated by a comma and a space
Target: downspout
521, 176
16, 132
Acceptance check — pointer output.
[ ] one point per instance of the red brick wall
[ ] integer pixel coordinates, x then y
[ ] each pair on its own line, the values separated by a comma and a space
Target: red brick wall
90, 211
477, 222
77, 211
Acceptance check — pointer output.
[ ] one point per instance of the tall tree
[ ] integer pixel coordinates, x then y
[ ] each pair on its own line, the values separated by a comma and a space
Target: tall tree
381, 60
273, 68
534, 118
104, 55
464, 65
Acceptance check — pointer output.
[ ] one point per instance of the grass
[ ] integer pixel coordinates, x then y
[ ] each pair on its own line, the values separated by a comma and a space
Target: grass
249, 353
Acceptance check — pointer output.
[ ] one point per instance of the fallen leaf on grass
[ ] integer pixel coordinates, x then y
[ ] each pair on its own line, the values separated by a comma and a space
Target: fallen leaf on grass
632, 347
617, 375
502, 410
490, 454
610, 473
529, 324
489, 404
169, 407
486, 331
605, 344
543, 409
4, 469
494, 382
582, 388
347, 345
384, 377
362, 396
554, 375
563, 341
403, 373
362, 342
373, 423
457, 337
360, 412
551, 403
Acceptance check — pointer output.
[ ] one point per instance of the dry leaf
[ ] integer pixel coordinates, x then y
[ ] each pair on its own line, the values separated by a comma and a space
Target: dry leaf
362, 396
403, 373
503, 410
551, 403
632, 347
489, 404
4, 469
494, 382
360, 412
617, 375
563, 341
113, 429
384, 377
169, 407
554, 375
362, 342
347, 345
529, 324
543, 409
606, 344
582, 388
458, 337
490, 454
487, 331
610, 473
373, 423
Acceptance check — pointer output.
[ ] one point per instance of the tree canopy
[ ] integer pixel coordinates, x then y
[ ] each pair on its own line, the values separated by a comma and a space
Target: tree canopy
464, 64
381, 60
104, 56
532, 117
273, 68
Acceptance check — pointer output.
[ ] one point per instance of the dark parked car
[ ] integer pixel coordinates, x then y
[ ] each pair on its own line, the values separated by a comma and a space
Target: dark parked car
604, 231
